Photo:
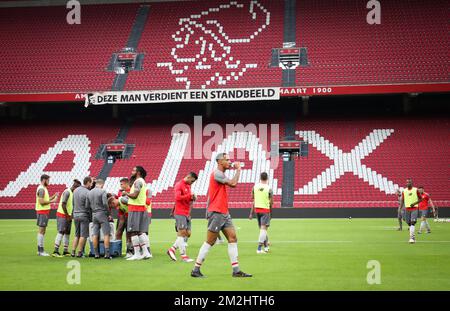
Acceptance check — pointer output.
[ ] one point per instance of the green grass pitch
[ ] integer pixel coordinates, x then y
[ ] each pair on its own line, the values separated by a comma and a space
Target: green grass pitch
306, 254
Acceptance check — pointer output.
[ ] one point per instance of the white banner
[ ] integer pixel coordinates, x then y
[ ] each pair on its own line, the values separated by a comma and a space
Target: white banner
171, 96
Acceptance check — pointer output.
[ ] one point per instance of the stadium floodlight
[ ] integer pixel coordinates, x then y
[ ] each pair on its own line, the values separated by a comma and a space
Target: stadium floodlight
287, 45
119, 70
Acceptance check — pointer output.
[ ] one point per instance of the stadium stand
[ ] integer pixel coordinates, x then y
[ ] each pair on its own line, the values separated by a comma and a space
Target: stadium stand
226, 44
209, 44
408, 46
73, 58
360, 163
65, 151
221, 44
351, 163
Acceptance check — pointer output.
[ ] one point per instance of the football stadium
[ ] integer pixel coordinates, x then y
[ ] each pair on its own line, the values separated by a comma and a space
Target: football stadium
225, 145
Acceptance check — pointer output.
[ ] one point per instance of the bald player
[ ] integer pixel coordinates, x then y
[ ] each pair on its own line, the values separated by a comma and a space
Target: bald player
43, 201
219, 218
410, 200
64, 219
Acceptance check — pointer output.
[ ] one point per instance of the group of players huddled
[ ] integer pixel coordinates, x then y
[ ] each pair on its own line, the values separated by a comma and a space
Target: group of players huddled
413, 201
87, 203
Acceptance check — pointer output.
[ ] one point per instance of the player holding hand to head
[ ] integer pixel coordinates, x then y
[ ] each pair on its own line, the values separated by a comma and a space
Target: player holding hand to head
219, 218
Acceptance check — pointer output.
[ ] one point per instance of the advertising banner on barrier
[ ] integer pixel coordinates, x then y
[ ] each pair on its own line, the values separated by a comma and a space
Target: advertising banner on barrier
167, 96
237, 94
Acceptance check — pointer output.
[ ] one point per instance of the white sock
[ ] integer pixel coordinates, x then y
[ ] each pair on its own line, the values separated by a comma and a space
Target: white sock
262, 235
40, 240
427, 225
58, 239
183, 246
202, 254
412, 228
233, 254
136, 245
177, 244
143, 240
147, 241
66, 241
422, 225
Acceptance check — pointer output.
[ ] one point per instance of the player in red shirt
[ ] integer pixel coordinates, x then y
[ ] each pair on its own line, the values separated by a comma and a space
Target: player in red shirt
423, 209
218, 217
184, 199
123, 217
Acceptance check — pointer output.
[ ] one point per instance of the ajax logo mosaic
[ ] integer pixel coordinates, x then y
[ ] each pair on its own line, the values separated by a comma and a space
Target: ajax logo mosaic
204, 45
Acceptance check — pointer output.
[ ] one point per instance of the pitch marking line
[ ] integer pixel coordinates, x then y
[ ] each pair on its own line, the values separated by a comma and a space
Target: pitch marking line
281, 242
12, 232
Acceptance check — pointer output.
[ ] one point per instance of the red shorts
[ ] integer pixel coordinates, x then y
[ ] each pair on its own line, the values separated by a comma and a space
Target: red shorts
410, 209
60, 215
43, 212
